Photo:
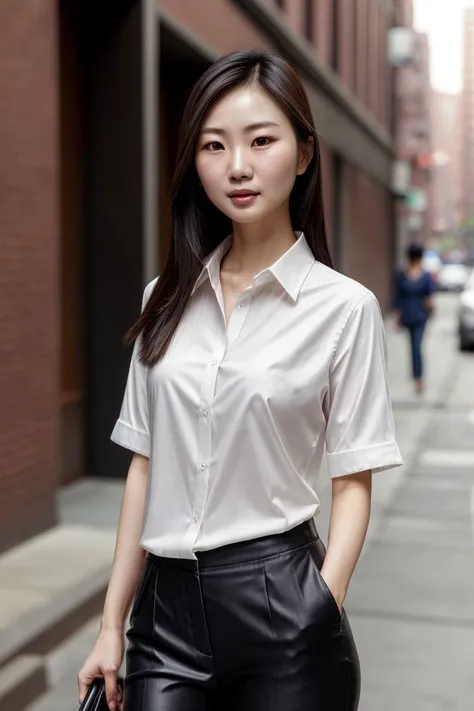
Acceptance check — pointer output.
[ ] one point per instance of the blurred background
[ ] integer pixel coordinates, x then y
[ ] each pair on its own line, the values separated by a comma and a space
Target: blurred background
91, 96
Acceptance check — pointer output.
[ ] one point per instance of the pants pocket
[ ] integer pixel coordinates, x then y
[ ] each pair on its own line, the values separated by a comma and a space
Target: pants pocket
317, 552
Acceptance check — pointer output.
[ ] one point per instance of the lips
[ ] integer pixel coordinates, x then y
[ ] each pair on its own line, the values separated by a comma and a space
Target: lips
243, 197
242, 193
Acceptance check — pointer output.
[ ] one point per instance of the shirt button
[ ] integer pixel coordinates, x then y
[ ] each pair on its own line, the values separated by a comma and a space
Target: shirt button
203, 467
205, 413
196, 519
240, 306
214, 362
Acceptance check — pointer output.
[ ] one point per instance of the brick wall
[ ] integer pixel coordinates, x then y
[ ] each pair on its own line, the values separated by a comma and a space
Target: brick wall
366, 233
324, 30
219, 23
327, 169
28, 273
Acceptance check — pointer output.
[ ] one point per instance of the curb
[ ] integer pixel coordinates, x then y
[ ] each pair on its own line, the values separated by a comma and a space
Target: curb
21, 682
25, 644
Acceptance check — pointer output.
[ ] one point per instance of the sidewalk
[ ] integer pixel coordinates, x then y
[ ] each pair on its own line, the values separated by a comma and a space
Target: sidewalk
411, 601
51, 587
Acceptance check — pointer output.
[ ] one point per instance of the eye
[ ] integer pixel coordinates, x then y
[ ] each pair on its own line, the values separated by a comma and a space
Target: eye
263, 141
213, 146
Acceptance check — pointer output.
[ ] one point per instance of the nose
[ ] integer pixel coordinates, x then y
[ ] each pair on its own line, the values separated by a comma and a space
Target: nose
240, 167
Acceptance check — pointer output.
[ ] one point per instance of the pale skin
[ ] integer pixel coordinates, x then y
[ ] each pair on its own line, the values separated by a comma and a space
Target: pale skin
107, 654
265, 159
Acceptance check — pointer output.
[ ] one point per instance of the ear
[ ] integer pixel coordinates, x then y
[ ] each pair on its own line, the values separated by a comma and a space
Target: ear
306, 152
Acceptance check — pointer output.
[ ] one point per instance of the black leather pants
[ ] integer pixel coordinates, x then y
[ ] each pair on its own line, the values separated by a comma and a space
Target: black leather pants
247, 627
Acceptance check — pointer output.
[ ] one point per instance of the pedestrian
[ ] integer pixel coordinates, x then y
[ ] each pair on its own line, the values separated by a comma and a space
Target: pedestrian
414, 304
253, 359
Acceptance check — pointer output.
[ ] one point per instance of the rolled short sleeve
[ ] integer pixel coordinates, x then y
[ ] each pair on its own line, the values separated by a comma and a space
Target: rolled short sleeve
131, 430
360, 430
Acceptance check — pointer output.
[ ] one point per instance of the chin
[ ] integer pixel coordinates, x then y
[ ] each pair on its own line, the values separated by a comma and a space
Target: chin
246, 219
247, 215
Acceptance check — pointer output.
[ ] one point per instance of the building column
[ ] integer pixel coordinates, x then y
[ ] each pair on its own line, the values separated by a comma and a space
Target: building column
121, 197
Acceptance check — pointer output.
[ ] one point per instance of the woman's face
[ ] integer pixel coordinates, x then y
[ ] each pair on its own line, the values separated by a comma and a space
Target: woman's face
248, 156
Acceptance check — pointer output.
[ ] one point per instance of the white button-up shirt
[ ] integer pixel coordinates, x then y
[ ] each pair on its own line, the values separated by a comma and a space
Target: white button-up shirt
236, 420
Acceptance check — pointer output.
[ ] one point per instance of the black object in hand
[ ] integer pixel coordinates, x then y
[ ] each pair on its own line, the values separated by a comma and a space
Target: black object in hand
95, 699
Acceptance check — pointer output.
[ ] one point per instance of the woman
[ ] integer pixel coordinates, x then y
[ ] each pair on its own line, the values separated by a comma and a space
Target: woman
414, 290
253, 359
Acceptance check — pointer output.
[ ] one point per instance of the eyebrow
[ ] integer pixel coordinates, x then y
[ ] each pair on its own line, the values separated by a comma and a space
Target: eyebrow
250, 127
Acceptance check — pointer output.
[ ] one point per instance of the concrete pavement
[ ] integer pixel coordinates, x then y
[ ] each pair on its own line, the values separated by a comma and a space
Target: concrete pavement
411, 602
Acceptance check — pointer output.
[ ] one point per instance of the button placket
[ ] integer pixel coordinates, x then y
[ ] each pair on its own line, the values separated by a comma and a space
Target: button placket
204, 438
239, 316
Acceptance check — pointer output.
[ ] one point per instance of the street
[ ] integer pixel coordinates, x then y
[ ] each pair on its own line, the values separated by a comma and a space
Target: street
411, 600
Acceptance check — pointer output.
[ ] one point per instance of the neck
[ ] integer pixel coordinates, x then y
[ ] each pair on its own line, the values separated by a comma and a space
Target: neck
256, 246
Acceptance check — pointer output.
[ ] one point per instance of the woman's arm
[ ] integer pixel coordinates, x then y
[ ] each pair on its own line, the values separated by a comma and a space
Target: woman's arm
350, 512
107, 654
128, 556
429, 304
360, 436
429, 291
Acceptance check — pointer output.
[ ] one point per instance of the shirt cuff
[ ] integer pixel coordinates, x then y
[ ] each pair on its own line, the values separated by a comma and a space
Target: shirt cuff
378, 458
129, 437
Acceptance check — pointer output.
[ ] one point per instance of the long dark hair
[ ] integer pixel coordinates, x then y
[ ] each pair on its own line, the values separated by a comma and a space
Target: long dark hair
198, 227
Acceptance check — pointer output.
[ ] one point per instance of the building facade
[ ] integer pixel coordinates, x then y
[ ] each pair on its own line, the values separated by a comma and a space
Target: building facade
446, 185
468, 117
93, 93
413, 139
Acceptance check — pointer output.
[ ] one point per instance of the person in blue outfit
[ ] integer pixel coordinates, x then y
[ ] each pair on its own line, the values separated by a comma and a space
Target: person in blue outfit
413, 303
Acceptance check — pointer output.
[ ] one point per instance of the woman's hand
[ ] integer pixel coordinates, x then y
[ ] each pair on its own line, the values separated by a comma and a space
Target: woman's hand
104, 661
339, 595
106, 657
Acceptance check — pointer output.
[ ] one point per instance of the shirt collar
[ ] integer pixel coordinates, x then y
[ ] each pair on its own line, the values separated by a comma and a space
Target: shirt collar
290, 270
212, 265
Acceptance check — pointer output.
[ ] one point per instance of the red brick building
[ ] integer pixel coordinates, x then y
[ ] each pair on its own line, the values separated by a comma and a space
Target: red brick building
413, 135
467, 122
446, 182
91, 96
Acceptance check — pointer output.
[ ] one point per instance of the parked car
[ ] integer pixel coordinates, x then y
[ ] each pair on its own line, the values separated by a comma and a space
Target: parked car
466, 315
453, 277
